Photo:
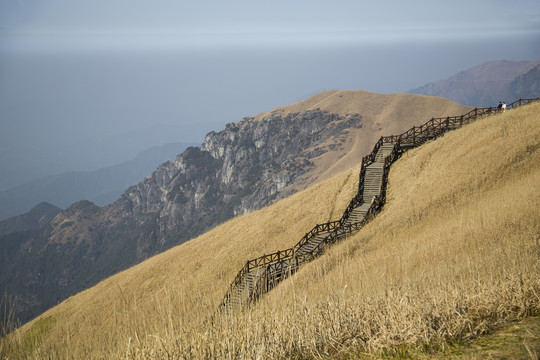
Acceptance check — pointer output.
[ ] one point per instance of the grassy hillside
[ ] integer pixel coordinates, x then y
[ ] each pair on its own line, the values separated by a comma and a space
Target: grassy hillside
454, 252
245, 166
382, 114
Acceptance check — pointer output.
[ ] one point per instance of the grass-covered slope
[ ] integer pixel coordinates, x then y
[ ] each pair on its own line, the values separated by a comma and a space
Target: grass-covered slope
382, 115
183, 285
454, 252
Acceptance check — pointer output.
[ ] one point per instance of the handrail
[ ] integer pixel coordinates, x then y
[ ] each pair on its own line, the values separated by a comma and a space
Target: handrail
269, 259
413, 137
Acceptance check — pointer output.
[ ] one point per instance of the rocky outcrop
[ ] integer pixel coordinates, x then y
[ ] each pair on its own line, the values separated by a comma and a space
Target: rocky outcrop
244, 167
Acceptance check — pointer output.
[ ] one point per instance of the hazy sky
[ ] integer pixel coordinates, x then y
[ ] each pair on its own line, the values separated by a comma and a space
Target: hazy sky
85, 84
166, 24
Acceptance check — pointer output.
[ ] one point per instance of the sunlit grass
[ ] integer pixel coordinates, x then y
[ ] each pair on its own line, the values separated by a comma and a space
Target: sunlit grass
454, 252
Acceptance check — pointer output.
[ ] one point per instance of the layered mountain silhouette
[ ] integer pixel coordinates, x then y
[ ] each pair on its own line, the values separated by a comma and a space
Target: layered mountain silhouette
246, 166
101, 186
488, 83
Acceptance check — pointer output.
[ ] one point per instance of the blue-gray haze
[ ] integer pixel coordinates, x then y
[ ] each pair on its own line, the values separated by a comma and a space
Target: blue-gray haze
86, 84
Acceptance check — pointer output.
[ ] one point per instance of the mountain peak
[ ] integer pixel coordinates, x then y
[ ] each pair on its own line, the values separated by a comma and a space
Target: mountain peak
37, 218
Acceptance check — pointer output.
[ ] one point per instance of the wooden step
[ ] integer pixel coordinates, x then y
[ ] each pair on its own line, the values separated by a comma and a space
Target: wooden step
373, 184
312, 243
384, 151
357, 214
375, 165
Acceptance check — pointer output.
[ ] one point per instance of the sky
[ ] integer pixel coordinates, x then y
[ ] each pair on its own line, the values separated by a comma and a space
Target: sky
86, 84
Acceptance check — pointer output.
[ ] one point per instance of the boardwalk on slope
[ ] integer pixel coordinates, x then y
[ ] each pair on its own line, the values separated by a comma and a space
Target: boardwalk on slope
262, 274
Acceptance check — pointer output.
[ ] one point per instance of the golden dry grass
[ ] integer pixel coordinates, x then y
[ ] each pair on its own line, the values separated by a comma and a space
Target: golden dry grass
185, 284
382, 114
378, 108
454, 252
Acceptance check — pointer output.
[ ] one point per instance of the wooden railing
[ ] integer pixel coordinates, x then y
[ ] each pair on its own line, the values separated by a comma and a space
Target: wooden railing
277, 266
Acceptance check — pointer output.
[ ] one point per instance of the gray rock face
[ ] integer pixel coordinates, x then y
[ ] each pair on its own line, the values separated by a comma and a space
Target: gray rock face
244, 167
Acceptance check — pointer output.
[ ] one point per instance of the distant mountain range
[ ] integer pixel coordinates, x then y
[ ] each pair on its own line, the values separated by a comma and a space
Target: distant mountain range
487, 84
244, 167
101, 186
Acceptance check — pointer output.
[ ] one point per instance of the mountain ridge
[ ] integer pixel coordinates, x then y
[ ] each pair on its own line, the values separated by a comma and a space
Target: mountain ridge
488, 83
101, 186
38, 217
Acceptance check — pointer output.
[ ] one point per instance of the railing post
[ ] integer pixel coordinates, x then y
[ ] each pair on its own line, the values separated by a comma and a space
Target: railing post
475, 113
295, 259
414, 135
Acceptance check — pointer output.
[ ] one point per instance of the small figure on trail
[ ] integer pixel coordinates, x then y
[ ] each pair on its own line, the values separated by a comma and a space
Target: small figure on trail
504, 106
499, 108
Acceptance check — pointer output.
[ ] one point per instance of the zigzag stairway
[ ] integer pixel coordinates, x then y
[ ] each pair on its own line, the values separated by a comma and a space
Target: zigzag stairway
260, 275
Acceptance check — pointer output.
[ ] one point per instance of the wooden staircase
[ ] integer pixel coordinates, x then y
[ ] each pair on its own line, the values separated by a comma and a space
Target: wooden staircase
262, 274
242, 292
374, 173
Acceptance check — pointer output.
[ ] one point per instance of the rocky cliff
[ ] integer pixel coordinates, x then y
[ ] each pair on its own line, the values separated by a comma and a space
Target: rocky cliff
244, 167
